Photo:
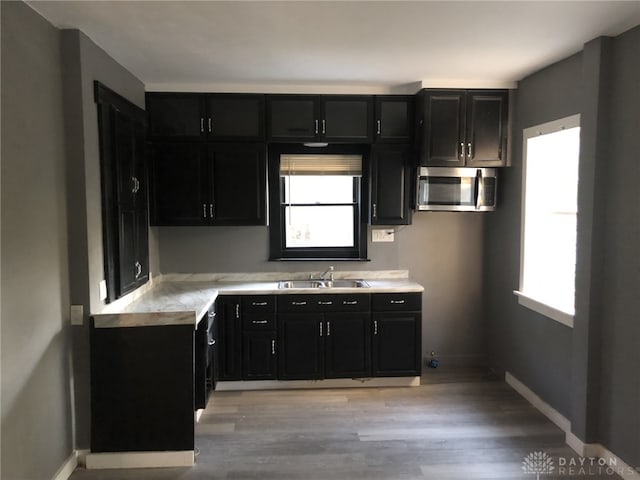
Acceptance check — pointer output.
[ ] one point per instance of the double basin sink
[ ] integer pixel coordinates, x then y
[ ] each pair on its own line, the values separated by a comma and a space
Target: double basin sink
315, 284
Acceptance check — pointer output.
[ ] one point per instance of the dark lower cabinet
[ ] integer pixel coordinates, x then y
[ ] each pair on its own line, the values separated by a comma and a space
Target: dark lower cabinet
229, 339
347, 345
397, 333
205, 345
301, 346
259, 355
142, 388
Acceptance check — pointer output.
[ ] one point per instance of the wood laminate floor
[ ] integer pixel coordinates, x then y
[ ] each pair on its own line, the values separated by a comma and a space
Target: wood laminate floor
458, 425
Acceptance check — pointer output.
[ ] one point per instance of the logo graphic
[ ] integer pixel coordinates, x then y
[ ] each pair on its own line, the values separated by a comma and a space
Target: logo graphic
538, 463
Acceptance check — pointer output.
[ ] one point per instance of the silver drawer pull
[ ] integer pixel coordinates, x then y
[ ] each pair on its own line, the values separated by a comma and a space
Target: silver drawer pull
259, 304
212, 314
350, 302
273, 347
324, 303
298, 303
259, 322
212, 342
400, 302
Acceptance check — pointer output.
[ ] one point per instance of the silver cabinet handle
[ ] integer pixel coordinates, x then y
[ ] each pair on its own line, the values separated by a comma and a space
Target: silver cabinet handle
400, 302
375, 210
209, 124
201, 125
133, 188
259, 304
316, 123
211, 210
328, 329
461, 151
469, 155
273, 347
212, 342
298, 303
350, 302
324, 127
324, 303
259, 322
212, 314
375, 327
320, 328
137, 185
237, 310
204, 210
138, 269
378, 127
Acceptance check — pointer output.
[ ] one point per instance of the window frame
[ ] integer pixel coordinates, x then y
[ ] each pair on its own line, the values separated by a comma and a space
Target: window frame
525, 298
277, 235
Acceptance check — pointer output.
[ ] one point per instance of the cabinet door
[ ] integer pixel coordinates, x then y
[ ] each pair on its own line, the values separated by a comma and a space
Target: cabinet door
301, 346
394, 119
348, 345
292, 117
443, 133
229, 338
390, 185
396, 344
176, 116
235, 117
346, 118
259, 355
238, 184
178, 195
486, 128
200, 365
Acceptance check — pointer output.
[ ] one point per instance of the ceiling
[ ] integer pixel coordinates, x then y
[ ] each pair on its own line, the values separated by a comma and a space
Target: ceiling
367, 46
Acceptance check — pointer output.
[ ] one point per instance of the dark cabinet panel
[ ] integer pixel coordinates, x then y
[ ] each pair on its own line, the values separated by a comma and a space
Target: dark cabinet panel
394, 118
179, 195
396, 343
463, 127
329, 118
390, 185
229, 337
176, 116
195, 116
259, 355
348, 345
301, 346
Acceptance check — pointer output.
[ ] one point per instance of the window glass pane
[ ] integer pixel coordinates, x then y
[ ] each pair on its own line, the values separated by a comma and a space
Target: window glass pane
319, 226
310, 189
550, 218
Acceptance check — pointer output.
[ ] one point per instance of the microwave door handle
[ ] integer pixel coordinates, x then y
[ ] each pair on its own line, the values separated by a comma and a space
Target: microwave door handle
479, 188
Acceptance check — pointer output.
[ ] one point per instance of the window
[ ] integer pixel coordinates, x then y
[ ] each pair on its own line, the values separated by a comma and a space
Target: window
549, 218
317, 209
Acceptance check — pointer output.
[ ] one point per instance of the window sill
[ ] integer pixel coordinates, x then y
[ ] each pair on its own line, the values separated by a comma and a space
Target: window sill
548, 311
318, 259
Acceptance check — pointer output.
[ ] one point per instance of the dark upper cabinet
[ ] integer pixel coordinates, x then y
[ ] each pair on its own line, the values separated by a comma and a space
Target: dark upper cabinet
327, 118
123, 172
391, 167
463, 127
215, 184
217, 117
394, 118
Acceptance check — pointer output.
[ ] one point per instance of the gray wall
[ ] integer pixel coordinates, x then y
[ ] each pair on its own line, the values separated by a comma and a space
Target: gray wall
36, 392
588, 373
84, 62
441, 250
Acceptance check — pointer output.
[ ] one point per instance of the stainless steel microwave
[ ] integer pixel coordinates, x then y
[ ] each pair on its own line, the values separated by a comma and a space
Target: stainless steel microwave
456, 189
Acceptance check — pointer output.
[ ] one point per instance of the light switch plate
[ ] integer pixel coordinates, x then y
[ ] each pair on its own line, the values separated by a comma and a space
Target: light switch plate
103, 289
77, 314
382, 235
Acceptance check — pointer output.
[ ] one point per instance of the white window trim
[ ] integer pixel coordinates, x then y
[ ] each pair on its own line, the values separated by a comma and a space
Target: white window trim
565, 318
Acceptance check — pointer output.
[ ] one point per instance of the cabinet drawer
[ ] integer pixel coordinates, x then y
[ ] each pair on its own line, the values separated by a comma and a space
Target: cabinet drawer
264, 304
324, 303
257, 321
385, 302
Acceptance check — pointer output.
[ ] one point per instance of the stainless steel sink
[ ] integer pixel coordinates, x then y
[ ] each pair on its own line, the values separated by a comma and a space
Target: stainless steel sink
312, 284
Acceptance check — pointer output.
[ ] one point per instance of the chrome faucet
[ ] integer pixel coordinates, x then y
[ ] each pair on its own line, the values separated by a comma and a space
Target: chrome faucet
323, 275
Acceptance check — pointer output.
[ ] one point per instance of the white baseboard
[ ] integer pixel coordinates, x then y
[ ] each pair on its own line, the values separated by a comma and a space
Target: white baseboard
328, 383
67, 468
587, 450
140, 459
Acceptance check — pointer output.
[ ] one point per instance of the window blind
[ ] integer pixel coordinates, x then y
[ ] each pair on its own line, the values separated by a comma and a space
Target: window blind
321, 164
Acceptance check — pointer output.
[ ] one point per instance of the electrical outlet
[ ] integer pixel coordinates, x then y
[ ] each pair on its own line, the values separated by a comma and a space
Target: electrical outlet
77, 314
102, 286
382, 235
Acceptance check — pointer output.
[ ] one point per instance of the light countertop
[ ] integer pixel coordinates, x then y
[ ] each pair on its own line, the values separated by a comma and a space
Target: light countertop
184, 299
